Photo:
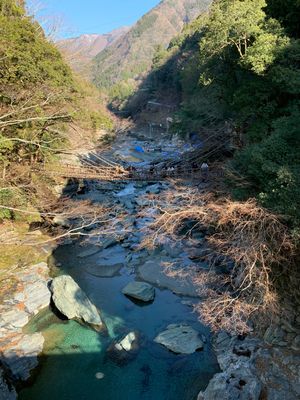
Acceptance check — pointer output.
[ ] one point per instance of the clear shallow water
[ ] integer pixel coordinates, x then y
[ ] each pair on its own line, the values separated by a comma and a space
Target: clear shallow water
74, 353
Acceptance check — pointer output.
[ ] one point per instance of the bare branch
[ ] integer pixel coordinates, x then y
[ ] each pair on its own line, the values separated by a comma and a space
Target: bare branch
65, 117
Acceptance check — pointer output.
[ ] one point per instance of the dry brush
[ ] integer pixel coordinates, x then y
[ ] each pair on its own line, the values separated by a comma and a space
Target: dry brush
252, 240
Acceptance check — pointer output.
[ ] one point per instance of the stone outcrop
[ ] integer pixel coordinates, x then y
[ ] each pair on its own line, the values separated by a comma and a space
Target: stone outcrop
233, 384
21, 357
252, 370
31, 294
72, 302
181, 339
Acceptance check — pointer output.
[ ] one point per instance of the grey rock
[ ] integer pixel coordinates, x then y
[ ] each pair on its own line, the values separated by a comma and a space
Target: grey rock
238, 352
278, 370
128, 202
187, 303
234, 384
140, 291
153, 272
61, 221
142, 222
13, 319
198, 253
7, 391
37, 297
124, 350
143, 202
296, 343
109, 242
104, 271
181, 339
72, 302
108, 262
273, 334
127, 344
89, 252
21, 357
173, 250
249, 361
91, 227
154, 189
94, 197
128, 190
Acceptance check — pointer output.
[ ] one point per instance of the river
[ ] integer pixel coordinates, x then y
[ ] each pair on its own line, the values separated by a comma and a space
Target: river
75, 356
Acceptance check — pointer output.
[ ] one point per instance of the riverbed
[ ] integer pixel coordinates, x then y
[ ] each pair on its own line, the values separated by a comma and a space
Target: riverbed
76, 362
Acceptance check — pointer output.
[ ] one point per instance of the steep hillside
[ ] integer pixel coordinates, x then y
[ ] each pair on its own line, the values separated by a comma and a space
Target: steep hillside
131, 56
44, 108
82, 49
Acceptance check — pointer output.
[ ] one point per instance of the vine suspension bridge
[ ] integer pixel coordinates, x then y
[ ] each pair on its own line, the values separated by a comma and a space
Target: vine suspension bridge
188, 167
117, 173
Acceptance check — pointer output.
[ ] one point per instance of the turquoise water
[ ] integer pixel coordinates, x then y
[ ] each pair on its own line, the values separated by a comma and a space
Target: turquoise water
74, 354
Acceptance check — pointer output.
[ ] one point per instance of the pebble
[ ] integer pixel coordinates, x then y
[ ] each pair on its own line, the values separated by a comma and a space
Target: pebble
99, 375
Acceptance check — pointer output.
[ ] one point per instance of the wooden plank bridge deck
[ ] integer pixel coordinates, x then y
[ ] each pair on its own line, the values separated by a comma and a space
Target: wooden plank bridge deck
113, 173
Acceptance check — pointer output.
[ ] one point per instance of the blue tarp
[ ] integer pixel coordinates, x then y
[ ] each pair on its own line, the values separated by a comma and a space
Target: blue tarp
139, 149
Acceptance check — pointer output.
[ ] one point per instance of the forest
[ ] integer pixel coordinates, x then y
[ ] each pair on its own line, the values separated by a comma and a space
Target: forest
41, 100
239, 66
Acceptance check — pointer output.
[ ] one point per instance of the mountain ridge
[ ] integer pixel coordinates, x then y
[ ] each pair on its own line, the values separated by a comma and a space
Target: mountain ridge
130, 56
80, 50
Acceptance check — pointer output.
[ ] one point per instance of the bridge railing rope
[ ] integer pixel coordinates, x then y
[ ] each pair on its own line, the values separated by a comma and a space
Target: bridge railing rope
184, 169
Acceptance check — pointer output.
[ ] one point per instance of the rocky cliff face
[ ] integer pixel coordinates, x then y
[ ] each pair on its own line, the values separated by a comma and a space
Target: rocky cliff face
81, 50
130, 56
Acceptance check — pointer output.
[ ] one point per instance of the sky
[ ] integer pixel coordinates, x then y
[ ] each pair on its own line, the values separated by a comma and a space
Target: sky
89, 16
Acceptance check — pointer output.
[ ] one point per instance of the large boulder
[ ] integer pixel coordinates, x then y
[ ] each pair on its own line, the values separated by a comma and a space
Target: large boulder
154, 272
72, 302
182, 339
140, 291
